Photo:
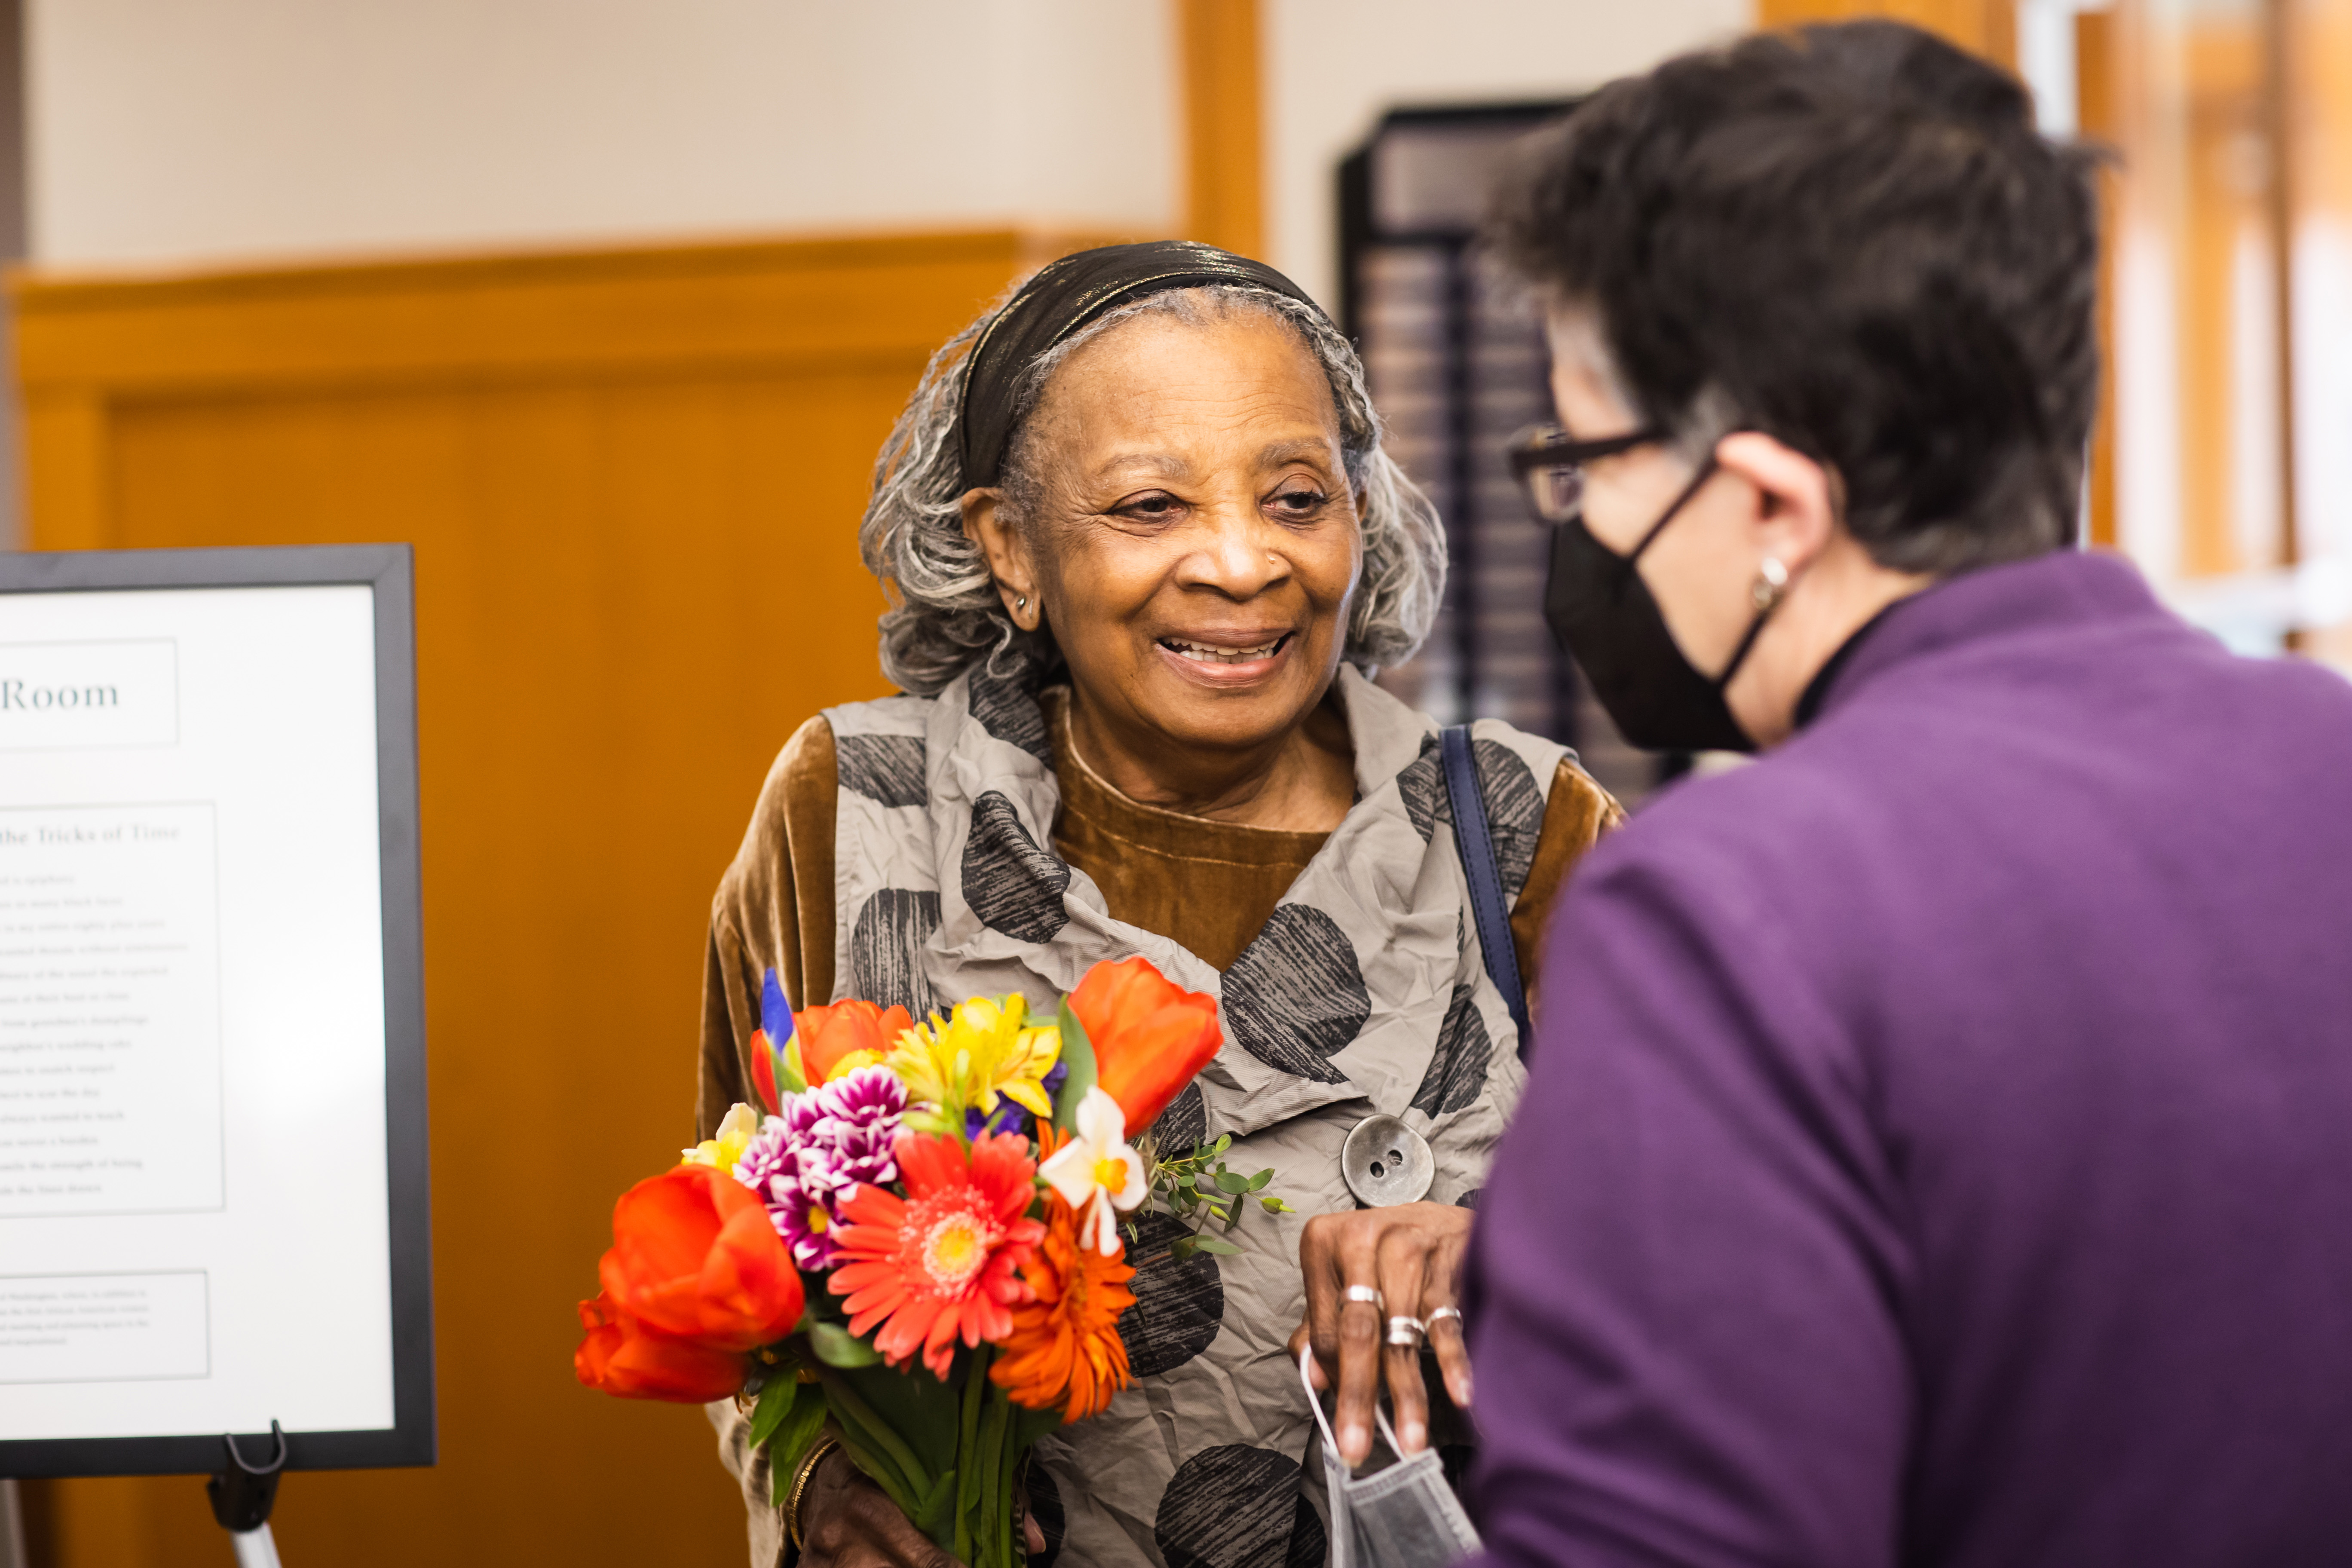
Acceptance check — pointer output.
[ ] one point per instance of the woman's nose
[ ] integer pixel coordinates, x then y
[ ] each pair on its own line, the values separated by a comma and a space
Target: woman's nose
1234, 555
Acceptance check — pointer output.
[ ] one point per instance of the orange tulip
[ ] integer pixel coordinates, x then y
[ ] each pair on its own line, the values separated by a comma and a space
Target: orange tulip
623, 1357
695, 1257
828, 1036
1150, 1036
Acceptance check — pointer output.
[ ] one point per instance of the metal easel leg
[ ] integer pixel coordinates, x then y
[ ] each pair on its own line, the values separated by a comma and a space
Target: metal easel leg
12, 1528
254, 1548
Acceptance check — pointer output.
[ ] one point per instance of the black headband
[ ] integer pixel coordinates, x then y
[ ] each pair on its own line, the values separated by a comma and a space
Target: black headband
1065, 295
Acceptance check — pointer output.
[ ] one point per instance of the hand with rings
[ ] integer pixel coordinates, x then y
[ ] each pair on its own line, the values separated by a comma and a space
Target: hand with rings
1381, 1284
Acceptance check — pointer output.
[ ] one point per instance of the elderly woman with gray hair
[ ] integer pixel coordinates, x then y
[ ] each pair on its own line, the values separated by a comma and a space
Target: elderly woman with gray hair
1145, 550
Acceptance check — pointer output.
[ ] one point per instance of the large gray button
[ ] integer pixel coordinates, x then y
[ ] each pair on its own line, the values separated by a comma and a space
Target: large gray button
1386, 1163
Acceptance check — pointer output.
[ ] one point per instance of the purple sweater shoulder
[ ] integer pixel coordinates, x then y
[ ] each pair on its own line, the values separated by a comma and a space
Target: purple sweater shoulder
1938, 1148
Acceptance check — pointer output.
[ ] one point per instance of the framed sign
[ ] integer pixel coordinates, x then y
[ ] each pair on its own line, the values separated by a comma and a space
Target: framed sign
213, 1183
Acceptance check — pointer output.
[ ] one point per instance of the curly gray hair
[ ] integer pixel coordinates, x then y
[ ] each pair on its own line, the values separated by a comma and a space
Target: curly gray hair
946, 613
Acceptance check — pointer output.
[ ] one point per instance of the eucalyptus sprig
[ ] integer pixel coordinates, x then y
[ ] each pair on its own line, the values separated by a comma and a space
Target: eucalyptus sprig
1198, 1188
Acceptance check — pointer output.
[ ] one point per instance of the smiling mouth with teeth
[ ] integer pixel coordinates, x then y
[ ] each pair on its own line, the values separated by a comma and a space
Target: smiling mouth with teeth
1200, 653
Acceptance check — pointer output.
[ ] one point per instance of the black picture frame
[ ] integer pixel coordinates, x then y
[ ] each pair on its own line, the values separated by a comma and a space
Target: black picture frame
388, 570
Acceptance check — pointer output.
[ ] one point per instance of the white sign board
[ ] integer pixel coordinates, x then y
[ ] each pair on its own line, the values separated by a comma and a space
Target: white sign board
208, 1029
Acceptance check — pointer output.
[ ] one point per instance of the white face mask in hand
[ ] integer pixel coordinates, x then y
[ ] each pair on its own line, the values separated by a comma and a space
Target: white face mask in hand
1404, 1517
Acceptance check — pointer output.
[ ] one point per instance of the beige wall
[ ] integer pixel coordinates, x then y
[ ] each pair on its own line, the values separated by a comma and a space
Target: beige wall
173, 132
176, 132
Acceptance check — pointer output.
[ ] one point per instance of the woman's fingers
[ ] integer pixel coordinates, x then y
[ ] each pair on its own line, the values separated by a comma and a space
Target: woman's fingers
1442, 1313
846, 1521
1301, 1338
1404, 1258
1319, 1269
1356, 1250
1361, 1269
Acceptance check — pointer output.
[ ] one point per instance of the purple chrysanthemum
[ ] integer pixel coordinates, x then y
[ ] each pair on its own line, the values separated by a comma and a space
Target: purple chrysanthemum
825, 1142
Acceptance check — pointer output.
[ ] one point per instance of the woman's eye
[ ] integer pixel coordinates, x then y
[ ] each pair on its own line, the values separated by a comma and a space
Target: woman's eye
1298, 502
1151, 508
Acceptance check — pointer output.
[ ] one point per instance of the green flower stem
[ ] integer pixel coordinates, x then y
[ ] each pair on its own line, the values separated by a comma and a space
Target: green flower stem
993, 1499
914, 1479
975, 1389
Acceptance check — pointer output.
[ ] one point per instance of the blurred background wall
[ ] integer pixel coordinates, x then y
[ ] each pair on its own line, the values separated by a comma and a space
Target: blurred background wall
606, 304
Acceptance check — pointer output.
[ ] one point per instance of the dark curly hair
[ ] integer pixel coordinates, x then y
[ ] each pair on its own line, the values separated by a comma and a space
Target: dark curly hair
1852, 238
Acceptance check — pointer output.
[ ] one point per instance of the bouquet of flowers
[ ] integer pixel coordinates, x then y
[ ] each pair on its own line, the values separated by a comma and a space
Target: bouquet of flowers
920, 1240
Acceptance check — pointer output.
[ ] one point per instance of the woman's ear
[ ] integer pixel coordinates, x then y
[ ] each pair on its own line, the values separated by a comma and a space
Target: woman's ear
1006, 547
1796, 496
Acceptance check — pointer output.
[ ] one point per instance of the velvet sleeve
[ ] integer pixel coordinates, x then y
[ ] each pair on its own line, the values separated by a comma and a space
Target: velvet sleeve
1577, 812
773, 910
1682, 1283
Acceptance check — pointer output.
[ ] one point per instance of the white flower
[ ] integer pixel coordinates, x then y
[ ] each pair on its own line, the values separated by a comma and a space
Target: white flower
736, 1131
1097, 1162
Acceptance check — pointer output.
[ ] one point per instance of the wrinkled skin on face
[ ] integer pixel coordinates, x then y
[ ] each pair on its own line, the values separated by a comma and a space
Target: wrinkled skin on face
1194, 547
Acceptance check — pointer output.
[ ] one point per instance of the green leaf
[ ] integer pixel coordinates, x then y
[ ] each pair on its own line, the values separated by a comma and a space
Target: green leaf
1211, 1244
1220, 1213
794, 1437
1274, 1206
1225, 1141
1260, 1180
1227, 1182
776, 1398
1079, 1056
836, 1346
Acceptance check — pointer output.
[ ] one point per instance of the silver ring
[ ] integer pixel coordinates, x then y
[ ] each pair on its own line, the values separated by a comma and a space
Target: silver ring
1366, 1294
1440, 1313
1407, 1332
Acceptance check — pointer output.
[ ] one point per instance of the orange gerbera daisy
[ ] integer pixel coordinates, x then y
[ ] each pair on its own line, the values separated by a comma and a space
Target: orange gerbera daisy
943, 1260
1064, 1348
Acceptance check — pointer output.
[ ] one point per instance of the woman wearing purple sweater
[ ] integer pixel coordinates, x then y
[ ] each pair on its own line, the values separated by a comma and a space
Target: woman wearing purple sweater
1938, 1144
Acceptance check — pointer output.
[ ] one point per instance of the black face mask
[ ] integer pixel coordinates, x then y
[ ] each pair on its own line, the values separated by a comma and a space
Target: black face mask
1600, 608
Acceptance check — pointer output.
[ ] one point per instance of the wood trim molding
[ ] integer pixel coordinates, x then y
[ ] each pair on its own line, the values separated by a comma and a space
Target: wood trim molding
84, 339
1218, 53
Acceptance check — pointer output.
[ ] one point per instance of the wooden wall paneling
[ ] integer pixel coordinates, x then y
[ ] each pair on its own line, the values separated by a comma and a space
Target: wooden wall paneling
633, 480
2096, 113
1219, 46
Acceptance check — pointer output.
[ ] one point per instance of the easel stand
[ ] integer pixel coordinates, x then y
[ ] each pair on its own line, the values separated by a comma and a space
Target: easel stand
241, 1498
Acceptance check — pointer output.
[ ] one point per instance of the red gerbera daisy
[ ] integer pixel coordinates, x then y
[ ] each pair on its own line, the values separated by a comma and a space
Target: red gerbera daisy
943, 1260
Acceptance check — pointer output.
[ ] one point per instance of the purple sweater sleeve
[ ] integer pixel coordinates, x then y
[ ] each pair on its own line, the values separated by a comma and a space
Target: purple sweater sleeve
1686, 1276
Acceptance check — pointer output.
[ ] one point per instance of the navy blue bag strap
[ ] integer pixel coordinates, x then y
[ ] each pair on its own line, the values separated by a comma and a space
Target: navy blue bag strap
1476, 842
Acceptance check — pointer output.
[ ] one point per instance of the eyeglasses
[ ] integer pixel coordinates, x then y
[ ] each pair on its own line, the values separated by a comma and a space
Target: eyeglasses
1549, 466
